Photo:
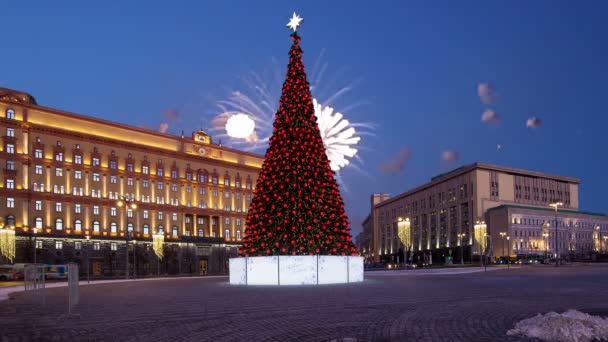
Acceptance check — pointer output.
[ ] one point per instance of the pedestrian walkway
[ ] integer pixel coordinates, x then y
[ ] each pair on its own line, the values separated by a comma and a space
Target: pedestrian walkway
6, 291
440, 271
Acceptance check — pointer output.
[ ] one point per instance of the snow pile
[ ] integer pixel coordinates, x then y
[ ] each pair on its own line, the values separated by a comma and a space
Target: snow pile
571, 326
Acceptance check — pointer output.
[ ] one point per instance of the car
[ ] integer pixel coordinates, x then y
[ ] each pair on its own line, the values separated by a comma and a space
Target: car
7, 272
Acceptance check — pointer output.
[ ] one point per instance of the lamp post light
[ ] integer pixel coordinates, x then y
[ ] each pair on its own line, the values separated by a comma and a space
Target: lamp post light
555, 205
605, 237
460, 237
480, 237
34, 231
546, 236
134, 259
509, 252
597, 241
128, 204
87, 248
503, 235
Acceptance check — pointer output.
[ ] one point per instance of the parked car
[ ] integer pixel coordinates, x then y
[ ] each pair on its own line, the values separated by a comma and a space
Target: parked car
7, 272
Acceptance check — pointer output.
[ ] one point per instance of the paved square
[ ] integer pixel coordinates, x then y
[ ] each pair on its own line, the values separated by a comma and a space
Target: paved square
386, 307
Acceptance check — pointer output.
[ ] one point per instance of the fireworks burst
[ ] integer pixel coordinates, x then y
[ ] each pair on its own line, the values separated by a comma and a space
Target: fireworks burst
258, 101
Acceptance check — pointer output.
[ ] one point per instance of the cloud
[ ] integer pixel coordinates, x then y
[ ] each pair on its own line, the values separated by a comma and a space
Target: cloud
533, 122
397, 162
171, 115
489, 115
164, 127
449, 156
486, 93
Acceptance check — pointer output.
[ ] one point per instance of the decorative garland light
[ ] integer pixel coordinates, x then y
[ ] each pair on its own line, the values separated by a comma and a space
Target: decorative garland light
158, 241
7, 243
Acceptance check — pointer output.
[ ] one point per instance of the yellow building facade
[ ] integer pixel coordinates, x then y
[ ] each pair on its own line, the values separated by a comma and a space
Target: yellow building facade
66, 175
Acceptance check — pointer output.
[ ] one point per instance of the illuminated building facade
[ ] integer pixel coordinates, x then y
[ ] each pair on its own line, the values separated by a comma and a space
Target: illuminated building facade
64, 175
484, 210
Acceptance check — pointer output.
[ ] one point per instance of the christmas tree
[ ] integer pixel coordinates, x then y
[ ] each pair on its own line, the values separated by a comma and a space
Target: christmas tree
296, 208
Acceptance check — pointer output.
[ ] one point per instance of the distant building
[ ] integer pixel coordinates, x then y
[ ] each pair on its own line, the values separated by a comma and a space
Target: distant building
64, 174
484, 210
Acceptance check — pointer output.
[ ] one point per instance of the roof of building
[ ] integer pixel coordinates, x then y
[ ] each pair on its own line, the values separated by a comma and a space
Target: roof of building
573, 211
484, 166
11, 95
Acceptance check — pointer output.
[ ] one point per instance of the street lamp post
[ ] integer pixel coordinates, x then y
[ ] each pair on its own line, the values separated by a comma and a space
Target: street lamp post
127, 203
134, 259
508, 253
503, 235
460, 236
555, 205
546, 236
34, 231
88, 261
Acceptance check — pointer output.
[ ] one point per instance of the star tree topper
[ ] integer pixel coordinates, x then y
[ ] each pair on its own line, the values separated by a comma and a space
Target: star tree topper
294, 22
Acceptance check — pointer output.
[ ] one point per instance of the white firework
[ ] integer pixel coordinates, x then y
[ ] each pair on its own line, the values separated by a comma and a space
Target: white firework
338, 135
259, 101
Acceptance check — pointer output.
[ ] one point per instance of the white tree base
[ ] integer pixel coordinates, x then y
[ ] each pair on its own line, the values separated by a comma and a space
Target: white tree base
296, 270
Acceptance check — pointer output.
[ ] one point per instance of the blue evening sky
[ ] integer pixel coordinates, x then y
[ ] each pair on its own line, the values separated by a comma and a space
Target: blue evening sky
420, 64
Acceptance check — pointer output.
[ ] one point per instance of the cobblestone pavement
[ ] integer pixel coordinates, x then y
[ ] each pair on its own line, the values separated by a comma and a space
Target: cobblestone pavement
460, 307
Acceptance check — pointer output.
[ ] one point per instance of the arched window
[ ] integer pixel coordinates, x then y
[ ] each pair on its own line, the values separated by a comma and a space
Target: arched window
78, 225
227, 235
161, 229
96, 226
59, 224
10, 114
38, 222
130, 227
146, 228
10, 220
174, 230
113, 227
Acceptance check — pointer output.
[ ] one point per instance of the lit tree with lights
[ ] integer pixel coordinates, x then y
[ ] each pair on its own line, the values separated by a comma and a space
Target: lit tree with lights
296, 208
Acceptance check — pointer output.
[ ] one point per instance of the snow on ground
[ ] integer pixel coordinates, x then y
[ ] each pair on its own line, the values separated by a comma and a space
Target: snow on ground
570, 326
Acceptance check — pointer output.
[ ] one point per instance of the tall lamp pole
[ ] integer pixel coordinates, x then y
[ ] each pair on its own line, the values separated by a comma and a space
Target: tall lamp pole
503, 235
555, 205
128, 204
34, 231
509, 252
460, 236
88, 249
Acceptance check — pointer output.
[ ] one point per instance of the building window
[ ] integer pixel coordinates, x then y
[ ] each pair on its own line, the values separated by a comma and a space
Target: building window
77, 159
227, 181
10, 132
174, 230
10, 114
77, 245
129, 227
113, 164
95, 210
113, 179
248, 197
161, 229
160, 172
58, 244
59, 224
160, 185
146, 228
174, 216
227, 220
173, 187
129, 212
130, 167
58, 207
95, 177
77, 174
10, 202
58, 172
237, 184
59, 156
227, 194
146, 214
113, 227
10, 183
96, 246
113, 246
95, 161
160, 215
214, 192
227, 235
130, 181
238, 234
38, 222
38, 205
78, 225
113, 211
238, 221
201, 191
145, 169
201, 232
173, 174
38, 169
145, 183
38, 244
214, 180
10, 148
